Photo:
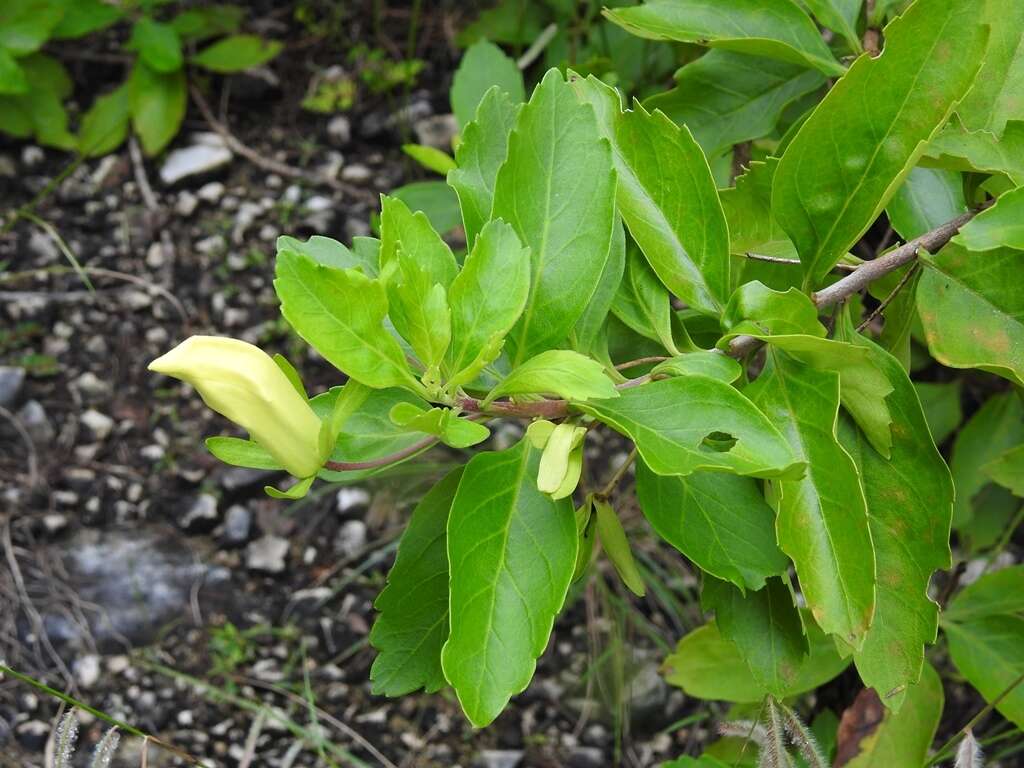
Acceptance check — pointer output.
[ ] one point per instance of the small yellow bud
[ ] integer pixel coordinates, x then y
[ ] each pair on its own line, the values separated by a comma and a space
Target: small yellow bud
244, 384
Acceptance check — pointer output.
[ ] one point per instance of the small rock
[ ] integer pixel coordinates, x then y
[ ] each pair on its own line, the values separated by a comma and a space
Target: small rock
352, 498
54, 523
201, 515
152, 453
11, 380
32, 156
211, 192
319, 203
208, 154
436, 131
98, 423
65, 498
498, 758
351, 538
586, 757
155, 255
33, 735
91, 386
356, 173
267, 554
186, 203
185, 718
87, 670
32, 416
211, 245
237, 525
339, 130
42, 246
241, 478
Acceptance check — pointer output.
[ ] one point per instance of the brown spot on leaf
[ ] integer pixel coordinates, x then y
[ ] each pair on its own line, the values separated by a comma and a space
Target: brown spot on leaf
860, 720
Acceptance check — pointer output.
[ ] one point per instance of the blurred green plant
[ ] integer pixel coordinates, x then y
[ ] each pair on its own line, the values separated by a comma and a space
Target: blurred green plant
150, 102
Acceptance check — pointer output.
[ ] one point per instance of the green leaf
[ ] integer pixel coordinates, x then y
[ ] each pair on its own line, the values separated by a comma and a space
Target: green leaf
479, 155
420, 242
26, 24
778, 29
157, 102
435, 199
208, 21
49, 119
14, 118
158, 45
903, 737
941, 404
589, 332
237, 53
481, 315
367, 430
616, 546
643, 303
909, 504
853, 152
295, 492
82, 17
997, 227
959, 149
330, 253
561, 372
502, 604
993, 429
863, 387
431, 158
556, 189
703, 363
927, 198
418, 309
972, 309
667, 198
756, 308
996, 95
765, 626
708, 666
413, 622
12, 76
719, 522
989, 652
753, 228
47, 73
241, 453
1008, 470
453, 431
996, 593
840, 16
483, 66
822, 518
726, 98
340, 313
670, 419
105, 125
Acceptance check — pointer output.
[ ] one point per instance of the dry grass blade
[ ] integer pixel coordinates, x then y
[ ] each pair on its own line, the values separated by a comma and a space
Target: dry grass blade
968, 755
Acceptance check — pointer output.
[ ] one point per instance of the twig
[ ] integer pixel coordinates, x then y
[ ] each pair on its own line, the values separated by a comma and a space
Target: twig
538, 46
641, 361
839, 267
30, 449
250, 740
149, 199
617, 476
101, 272
870, 271
281, 169
348, 730
383, 461
888, 299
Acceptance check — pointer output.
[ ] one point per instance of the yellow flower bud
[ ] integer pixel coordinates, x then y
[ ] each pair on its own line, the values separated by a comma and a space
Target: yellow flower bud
244, 384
